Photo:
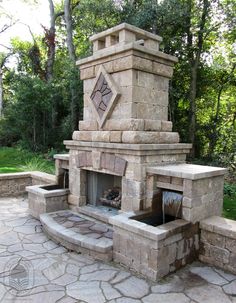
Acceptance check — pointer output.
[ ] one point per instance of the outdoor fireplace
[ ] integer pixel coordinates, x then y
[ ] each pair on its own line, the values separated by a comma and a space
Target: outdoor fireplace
126, 157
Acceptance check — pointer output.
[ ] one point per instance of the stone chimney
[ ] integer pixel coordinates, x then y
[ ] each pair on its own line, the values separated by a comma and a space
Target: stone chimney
125, 126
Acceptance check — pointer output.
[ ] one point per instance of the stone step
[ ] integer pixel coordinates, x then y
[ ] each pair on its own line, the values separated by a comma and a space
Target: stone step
79, 233
100, 213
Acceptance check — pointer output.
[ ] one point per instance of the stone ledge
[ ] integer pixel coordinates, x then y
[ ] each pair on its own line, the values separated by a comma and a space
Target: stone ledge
115, 50
131, 137
187, 171
125, 221
64, 157
15, 176
129, 27
219, 225
37, 189
135, 147
41, 176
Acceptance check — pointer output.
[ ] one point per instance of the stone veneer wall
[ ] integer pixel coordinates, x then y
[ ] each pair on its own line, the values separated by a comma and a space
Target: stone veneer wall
218, 243
14, 184
154, 251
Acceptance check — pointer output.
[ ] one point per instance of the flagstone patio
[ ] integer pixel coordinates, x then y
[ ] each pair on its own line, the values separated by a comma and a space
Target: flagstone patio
35, 269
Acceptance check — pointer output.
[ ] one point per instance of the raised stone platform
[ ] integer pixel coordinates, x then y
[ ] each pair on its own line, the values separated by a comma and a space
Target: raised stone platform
80, 234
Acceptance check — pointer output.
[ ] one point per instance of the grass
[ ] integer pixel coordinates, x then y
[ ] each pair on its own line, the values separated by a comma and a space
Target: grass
229, 209
16, 160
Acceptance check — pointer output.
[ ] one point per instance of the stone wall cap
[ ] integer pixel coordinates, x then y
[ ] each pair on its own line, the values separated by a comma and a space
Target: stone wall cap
219, 225
15, 175
127, 222
38, 175
123, 146
116, 49
114, 30
187, 171
38, 190
64, 157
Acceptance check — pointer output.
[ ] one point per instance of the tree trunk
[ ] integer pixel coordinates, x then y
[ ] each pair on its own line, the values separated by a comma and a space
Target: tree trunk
194, 62
69, 30
71, 50
215, 119
1, 92
50, 41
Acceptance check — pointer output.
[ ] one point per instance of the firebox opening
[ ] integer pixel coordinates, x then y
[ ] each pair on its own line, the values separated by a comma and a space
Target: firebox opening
104, 190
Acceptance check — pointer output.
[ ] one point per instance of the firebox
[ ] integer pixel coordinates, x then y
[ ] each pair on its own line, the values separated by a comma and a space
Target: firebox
103, 190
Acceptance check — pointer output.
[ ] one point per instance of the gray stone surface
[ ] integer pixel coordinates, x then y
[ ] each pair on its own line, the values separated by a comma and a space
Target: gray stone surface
60, 276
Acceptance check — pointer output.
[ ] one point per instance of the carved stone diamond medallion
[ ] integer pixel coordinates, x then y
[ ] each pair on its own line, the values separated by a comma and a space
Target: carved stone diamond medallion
104, 96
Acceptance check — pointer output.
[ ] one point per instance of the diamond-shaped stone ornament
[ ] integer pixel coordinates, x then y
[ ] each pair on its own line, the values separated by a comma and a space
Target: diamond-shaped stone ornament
104, 96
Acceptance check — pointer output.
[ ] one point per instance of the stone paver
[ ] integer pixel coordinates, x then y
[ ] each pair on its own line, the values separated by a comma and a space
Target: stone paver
36, 269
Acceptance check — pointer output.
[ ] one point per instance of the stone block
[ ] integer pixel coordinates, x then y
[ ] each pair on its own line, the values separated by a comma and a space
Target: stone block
177, 181
213, 239
230, 244
144, 79
140, 137
73, 200
166, 126
132, 188
152, 125
88, 85
150, 96
115, 136
120, 166
82, 135
108, 161
88, 125
100, 136
165, 179
126, 36
84, 159
124, 124
98, 45
110, 40
124, 78
150, 111
162, 70
96, 159
123, 63
142, 64
152, 44
219, 254
87, 73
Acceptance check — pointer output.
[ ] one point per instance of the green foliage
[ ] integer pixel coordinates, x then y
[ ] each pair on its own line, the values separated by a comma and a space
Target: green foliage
230, 189
39, 115
37, 163
229, 210
18, 160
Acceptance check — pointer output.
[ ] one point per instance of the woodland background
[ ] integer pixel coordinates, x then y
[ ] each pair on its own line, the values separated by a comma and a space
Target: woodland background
41, 96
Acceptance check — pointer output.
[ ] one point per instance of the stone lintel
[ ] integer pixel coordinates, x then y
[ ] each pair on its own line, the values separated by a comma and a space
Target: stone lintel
187, 171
